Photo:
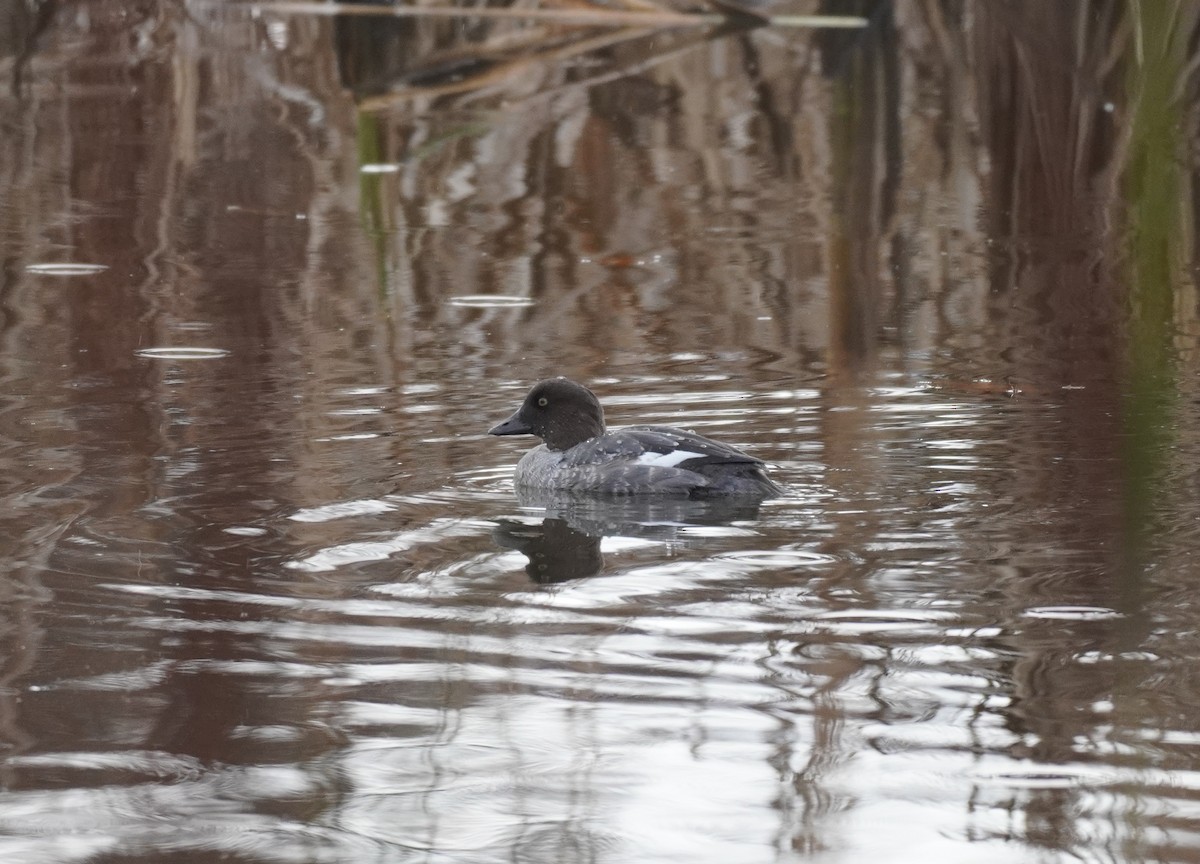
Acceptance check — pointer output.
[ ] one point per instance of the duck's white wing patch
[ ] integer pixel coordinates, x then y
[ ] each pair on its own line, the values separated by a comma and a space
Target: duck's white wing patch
667, 460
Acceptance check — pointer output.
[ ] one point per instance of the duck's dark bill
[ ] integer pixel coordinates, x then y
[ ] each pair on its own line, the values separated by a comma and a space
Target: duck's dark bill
514, 425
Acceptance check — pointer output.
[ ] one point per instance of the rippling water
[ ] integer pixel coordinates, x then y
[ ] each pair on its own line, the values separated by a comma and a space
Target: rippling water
428, 662
271, 596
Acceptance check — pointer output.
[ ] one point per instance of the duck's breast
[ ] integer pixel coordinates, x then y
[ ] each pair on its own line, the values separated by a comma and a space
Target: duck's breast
540, 468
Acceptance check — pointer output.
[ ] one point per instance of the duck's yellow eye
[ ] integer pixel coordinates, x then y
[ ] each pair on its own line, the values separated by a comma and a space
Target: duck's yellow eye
543, 402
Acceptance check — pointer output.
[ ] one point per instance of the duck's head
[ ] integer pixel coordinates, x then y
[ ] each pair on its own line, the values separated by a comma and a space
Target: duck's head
559, 411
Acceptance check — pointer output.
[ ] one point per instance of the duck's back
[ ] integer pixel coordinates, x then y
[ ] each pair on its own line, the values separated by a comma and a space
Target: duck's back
642, 460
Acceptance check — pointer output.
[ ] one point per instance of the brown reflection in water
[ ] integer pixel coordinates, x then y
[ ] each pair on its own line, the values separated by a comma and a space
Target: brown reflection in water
159, 168
74, 155
1053, 201
1050, 95
1052, 210
20, 26
645, 217
1053, 206
865, 171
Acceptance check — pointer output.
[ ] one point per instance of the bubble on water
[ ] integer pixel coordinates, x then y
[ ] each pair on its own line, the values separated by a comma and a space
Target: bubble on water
1072, 613
65, 268
484, 301
182, 352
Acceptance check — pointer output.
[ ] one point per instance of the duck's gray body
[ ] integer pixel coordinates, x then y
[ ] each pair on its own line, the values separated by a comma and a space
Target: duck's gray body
581, 456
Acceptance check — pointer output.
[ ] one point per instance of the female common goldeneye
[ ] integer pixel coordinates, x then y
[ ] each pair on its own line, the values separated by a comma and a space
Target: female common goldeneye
580, 456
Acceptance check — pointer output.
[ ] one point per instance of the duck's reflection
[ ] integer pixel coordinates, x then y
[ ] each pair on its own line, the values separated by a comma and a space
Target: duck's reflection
566, 545
556, 551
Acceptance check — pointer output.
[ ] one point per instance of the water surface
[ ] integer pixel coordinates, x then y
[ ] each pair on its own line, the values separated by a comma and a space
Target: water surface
270, 595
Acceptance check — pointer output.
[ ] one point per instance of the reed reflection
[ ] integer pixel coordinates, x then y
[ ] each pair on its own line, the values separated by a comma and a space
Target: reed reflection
964, 191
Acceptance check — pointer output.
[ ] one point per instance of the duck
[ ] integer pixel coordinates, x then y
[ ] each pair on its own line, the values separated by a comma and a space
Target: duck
580, 454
